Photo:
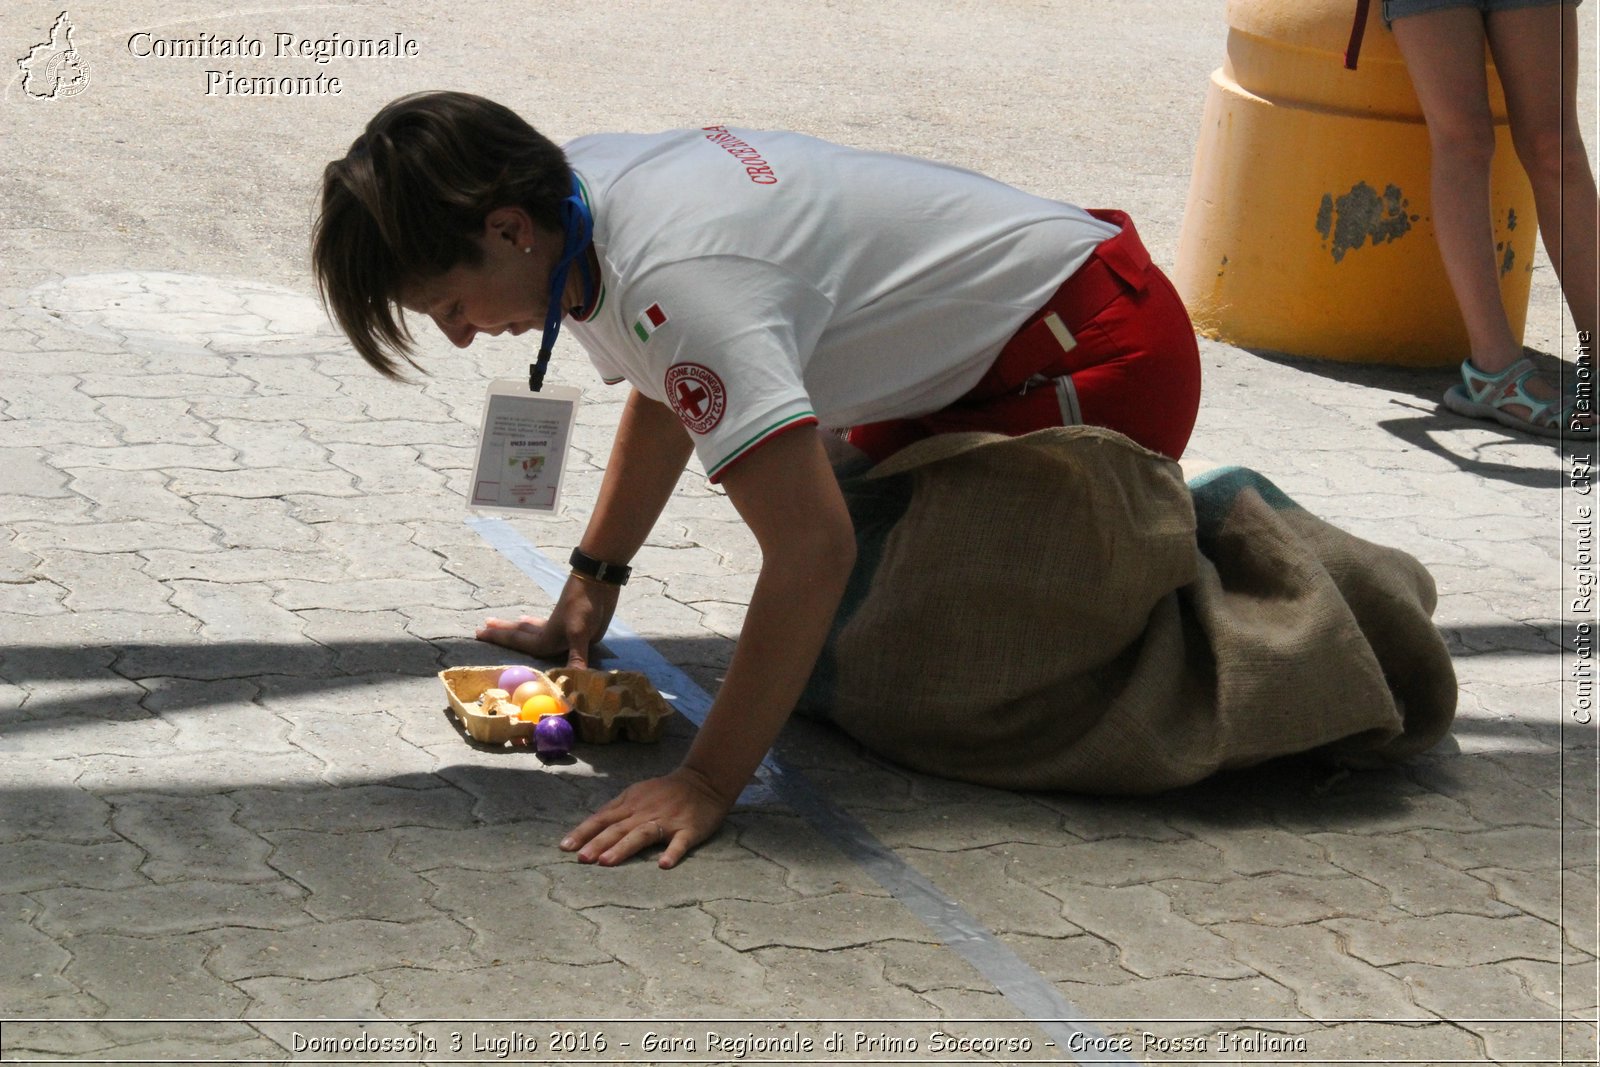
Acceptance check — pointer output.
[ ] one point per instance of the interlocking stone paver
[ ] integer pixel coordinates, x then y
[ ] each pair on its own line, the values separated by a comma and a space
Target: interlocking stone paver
269, 482
238, 565
349, 875
384, 468
1218, 1001
373, 511
339, 949
122, 496
38, 866
983, 878
146, 421
300, 998
35, 596
1566, 898
43, 803
366, 641
1277, 899
1569, 986
236, 523
274, 444
508, 847
351, 808
1327, 984
106, 580
190, 837
811, 865
222, 768
141, 977
1105, 818
175, 908
1414, 882
133, 536
806, 984
740, 876
1468, 851
372, 594
513, 915
137, 457
1460, 940
1152, 938
829, 922
1115, 862
1493, 991
27, 474
922, 967
47, 396
380, 552
955, 827
689, 966
212, 715
555, 991
31, 962
236, 611
1427, 1045
33, 433
1489, 793
1249, 848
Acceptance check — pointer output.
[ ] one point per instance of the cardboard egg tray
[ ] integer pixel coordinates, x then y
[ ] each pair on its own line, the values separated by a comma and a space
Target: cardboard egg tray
603, 705
465, 686
609, 704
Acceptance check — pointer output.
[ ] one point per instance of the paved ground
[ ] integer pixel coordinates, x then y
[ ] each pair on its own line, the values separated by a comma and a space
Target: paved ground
231, 560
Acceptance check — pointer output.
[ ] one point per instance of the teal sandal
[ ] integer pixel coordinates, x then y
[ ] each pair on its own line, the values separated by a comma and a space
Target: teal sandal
1487, 396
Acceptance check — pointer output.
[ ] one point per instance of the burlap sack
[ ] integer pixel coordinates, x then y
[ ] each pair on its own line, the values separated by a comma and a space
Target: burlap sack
1047, 612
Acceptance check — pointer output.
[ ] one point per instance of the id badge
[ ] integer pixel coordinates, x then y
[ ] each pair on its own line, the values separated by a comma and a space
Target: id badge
523, 447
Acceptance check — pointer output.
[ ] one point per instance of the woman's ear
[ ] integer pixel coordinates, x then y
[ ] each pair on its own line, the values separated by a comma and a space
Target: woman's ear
509, 224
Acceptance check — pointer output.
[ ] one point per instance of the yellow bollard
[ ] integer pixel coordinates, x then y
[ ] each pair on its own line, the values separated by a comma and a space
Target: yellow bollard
1307, 229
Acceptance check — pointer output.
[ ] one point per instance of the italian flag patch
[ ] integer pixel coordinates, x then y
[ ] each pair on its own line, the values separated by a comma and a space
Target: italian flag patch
651, 320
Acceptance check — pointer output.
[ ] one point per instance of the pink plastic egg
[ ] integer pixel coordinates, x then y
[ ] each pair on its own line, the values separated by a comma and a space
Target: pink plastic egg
512, 677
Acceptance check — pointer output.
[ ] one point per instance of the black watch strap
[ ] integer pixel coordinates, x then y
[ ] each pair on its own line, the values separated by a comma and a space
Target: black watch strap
598, 569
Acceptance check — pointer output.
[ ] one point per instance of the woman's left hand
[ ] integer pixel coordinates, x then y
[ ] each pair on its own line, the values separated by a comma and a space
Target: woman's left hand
679, 810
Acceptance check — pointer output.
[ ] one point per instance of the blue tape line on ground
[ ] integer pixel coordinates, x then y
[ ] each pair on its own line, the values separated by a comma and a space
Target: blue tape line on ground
1027, 990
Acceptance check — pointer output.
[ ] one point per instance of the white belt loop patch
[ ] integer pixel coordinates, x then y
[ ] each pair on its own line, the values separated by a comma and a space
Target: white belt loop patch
1062, 335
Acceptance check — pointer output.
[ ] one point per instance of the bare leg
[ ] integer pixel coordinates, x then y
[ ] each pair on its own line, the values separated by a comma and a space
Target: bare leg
1536, 52
1443, 51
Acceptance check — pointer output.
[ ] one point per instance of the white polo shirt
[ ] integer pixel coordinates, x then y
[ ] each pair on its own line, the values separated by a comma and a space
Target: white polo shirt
756, 281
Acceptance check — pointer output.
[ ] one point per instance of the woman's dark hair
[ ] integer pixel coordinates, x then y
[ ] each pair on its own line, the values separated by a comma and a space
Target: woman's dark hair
407, 200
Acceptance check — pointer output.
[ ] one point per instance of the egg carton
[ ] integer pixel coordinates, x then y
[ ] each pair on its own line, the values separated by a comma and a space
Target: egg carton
608, 704
483, 709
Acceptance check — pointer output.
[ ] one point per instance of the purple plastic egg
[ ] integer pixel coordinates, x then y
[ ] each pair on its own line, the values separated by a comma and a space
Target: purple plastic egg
512, 677
552, 736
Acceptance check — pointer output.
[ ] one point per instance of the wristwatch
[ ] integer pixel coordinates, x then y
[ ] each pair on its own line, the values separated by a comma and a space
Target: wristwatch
586, 566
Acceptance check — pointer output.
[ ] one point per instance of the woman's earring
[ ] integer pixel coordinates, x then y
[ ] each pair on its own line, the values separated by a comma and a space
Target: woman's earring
528, 250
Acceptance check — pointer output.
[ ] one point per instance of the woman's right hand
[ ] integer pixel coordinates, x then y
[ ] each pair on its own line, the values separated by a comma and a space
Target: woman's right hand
579, 619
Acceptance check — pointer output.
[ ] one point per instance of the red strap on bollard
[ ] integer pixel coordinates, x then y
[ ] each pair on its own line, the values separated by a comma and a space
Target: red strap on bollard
1353, 49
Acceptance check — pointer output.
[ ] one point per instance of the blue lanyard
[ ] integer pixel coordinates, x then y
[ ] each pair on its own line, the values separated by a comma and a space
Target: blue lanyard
578, 225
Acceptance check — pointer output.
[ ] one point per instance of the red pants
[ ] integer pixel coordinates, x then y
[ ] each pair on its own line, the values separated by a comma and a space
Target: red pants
1112, 347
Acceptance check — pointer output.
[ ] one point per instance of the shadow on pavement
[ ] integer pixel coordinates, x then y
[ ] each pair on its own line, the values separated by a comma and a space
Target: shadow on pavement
1426, 415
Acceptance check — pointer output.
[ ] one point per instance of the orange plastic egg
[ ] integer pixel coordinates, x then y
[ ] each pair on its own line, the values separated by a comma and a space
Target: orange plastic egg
539, 705
528, 690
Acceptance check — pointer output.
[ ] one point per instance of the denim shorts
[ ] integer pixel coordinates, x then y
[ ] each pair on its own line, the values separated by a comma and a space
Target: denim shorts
1399, 9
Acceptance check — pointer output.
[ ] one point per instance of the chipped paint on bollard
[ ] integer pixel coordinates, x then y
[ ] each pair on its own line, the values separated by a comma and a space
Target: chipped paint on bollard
1308, 227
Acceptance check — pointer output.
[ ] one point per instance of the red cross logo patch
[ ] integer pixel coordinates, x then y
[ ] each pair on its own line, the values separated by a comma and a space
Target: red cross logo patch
697, 395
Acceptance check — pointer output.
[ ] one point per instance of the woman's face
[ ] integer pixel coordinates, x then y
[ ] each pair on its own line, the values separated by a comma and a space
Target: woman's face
507, 292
